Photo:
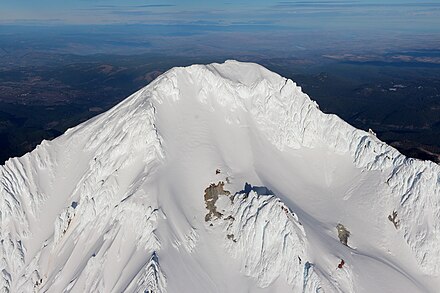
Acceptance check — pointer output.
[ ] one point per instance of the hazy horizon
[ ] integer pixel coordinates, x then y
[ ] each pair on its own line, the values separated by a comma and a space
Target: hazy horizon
366, 15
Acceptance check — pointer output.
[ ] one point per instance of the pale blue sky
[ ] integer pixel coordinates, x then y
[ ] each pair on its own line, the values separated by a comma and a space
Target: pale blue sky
369, 14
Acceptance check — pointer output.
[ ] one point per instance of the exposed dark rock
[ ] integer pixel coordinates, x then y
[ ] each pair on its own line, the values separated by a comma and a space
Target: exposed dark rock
343, 234
393, 219
211, 196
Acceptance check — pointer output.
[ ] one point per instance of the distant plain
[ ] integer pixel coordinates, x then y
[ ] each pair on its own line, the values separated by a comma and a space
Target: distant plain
55, 77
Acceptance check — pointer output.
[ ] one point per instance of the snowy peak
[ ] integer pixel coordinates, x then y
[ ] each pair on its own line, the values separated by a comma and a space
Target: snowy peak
149, 197
289, 118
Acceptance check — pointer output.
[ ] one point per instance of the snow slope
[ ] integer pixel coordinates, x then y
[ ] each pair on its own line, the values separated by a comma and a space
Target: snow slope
218, 178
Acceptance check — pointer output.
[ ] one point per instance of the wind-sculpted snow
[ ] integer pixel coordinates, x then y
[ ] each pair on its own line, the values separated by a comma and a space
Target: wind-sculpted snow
270, 242
267, 238
416, 185
116, 204
108, 188
19, 199
111, 189
151, 278
289, 118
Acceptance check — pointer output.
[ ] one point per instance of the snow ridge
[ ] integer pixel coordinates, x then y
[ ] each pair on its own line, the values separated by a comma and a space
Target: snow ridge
290, 119
153, 280
267, 237
108, 188
111, 189
15, 190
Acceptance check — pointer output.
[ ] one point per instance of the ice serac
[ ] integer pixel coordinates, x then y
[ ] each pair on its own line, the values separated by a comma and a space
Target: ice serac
120, 202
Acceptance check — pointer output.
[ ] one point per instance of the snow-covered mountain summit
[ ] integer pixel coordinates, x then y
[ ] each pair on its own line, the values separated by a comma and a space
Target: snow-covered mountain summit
218, 178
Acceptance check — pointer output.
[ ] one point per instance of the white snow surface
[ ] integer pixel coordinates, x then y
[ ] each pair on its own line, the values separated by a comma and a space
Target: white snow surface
117, 203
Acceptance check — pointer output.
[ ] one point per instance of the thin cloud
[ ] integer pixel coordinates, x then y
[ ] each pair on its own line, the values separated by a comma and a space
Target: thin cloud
293, 4
135, 6
130, 13
157, 5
